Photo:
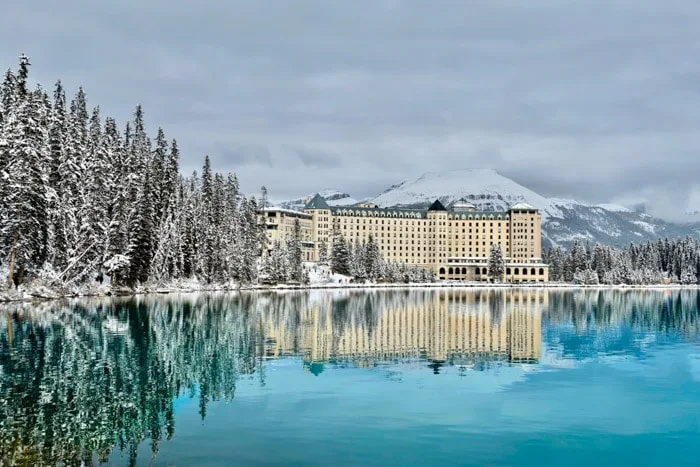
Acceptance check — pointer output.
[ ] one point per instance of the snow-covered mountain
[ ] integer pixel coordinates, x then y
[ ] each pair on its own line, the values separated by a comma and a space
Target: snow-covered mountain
563, 220
332, 197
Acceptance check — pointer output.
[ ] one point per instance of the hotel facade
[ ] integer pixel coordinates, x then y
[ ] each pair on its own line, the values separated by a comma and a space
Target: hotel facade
455, 242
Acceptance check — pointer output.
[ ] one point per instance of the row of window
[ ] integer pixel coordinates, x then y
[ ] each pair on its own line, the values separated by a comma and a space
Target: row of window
515, 271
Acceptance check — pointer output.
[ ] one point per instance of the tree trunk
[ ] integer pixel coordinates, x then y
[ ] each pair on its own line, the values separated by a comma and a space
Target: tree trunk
11, 275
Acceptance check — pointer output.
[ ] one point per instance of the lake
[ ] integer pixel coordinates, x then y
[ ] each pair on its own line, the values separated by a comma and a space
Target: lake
401, 377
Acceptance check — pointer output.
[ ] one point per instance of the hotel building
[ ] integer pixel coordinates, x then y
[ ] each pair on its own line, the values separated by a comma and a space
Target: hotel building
453, 242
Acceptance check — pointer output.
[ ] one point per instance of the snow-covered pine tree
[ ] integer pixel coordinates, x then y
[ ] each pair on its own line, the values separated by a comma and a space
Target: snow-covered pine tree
161, 182
323, 253
26, 158
357, 261
276, 266
688, 276
205, 259
116, 196
252, 229
556, 259
141, 235
340, 254
171, 179
230, 225
294, 253
497, 264
590, 277
372, 259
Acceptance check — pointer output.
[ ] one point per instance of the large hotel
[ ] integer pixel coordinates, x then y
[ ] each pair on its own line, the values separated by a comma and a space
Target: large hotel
453, 242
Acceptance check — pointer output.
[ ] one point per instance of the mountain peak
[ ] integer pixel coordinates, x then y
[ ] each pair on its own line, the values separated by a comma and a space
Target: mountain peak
486, 188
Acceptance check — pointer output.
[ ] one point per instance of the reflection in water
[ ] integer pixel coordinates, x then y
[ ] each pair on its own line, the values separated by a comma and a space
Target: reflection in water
455, 327
80, 379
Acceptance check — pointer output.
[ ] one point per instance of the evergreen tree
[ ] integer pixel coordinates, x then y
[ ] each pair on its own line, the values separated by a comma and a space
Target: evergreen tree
26, 194
372, 259
497, 264
340, 254
294, 252
322, 253
688, 276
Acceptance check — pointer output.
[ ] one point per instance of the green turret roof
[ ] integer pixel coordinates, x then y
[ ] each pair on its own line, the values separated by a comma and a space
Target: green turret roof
437, 206
317, 202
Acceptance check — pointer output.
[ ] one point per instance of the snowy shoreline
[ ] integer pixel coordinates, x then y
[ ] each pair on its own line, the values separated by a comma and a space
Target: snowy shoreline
45, 294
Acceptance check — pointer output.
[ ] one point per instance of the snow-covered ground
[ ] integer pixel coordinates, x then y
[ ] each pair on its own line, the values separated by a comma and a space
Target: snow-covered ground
320, 277
33, 295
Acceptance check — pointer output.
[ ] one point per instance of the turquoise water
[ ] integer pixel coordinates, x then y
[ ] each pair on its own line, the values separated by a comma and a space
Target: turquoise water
500, 378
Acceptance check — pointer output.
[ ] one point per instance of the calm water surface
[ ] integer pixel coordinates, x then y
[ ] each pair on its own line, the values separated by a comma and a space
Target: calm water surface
499, 378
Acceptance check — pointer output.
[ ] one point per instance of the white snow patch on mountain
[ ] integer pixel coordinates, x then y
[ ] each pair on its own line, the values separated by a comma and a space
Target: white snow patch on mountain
484, 187
614, 207
646, 226
332, 197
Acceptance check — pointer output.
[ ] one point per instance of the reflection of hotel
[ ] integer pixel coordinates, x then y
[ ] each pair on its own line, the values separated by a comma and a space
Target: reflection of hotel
458, 327
455, 243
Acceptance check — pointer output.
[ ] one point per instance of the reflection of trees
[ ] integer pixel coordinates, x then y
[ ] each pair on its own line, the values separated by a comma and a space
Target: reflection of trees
651, 310
81, 378
587, 323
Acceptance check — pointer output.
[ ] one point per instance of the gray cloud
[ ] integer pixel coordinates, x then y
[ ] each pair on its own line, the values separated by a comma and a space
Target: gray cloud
595, 100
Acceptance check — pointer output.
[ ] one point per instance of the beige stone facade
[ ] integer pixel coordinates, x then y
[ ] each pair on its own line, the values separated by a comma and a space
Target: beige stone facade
279, 226
455, 243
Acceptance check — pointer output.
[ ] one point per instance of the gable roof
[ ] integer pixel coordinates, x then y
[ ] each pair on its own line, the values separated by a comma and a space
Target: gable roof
317, 202
437, 206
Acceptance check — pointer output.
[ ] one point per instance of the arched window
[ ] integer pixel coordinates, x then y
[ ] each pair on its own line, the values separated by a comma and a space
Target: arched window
464, 270
541, 271
508, 271
442, 270
532, 272
449, 271
517, 271
483, 270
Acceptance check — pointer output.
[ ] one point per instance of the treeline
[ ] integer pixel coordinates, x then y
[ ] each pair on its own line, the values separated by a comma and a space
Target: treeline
80, 197
647, 263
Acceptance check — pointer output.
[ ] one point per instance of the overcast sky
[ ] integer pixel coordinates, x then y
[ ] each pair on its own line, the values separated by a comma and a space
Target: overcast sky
593, 99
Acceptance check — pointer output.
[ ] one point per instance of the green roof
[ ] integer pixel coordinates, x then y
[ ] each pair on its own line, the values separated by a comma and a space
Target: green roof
317, 202
354, 209
437, 206
405, 212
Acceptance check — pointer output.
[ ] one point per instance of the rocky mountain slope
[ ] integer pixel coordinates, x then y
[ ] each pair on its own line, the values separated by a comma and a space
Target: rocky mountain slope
332, 197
